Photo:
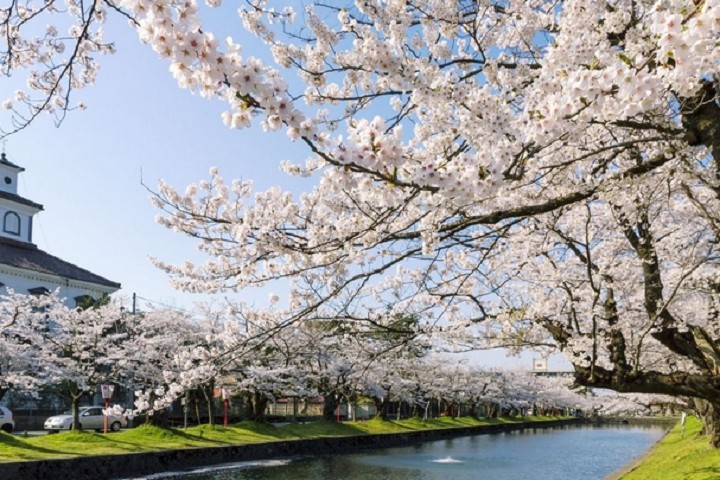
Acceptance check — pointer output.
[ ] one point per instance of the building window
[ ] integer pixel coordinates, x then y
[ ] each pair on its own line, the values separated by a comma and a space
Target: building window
11, 223
37, 291
84, 302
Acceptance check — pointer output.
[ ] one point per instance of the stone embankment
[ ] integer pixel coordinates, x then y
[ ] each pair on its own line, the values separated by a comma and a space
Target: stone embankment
666, 420
108, 467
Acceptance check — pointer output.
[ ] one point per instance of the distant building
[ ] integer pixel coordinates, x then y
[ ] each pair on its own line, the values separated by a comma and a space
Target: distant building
540, 368
540, 365
27, 269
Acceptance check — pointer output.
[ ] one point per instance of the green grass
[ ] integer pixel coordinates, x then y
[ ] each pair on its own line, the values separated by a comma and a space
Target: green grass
149, 438
680, 457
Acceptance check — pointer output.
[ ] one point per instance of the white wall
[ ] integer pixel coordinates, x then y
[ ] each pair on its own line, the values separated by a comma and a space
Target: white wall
69, 289
7, 172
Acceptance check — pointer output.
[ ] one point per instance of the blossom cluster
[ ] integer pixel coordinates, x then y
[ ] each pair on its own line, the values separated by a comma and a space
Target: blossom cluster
508, 174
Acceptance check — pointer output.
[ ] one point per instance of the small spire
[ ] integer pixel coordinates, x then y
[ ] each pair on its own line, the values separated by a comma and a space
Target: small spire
5, 161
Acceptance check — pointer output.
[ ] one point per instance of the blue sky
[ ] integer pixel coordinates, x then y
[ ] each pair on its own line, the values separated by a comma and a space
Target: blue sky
87, 173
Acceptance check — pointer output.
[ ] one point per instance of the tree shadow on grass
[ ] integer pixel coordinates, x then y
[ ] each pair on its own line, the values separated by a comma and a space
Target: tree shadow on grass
143, 437
295, 431
151, 438
18, 445
707, 470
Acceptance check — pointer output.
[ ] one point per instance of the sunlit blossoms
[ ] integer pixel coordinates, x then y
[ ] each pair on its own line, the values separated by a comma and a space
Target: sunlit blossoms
505, 174
165, 356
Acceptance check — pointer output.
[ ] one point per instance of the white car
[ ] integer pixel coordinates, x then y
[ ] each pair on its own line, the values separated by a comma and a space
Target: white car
7, 424
91, 418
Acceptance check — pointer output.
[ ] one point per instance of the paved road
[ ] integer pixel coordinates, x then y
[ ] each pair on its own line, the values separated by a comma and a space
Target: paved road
29, 433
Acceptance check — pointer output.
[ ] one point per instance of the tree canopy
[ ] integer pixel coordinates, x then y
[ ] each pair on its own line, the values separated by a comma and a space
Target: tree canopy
514, 174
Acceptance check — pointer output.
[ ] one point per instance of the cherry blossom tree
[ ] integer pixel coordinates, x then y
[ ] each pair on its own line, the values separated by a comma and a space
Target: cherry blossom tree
22, 322
627, 286
261, 370
82, 349
606, 156
159, 347
625, 404
479, 166
48, 344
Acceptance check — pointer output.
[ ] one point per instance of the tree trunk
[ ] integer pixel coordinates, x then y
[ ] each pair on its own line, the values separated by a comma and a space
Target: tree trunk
75, 395
381, 407
257, 405
208, 390
330, 404
75, 408
159, 419
709, 413
473, 409
261, 403
699, 117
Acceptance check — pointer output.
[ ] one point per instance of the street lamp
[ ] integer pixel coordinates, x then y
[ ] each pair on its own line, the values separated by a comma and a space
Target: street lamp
106, 391
226, 403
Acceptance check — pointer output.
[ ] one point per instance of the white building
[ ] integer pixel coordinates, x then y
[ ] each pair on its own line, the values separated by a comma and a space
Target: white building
24, 267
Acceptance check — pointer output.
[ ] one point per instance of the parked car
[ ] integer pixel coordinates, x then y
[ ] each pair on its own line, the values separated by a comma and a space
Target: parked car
7, 424
91, 418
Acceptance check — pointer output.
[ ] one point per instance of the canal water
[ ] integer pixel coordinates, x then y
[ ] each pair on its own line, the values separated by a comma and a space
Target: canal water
569, 453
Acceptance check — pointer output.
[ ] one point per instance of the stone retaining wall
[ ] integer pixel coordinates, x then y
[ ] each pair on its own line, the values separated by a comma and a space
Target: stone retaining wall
106, 467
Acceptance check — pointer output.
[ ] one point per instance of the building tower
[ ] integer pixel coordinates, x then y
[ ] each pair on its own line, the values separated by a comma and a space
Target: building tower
24, 267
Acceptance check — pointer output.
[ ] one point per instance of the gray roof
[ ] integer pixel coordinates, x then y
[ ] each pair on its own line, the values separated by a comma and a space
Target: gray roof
27, 256
5, 161
20, 200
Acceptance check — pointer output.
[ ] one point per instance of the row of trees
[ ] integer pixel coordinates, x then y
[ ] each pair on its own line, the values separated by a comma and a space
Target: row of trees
162, 355
480, 167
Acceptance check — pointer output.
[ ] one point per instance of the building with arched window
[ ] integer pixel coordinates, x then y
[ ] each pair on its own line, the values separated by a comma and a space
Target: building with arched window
27, 269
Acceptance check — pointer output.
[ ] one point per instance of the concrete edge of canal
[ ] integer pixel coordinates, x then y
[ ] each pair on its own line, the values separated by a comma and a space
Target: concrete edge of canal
637, 461
109, 467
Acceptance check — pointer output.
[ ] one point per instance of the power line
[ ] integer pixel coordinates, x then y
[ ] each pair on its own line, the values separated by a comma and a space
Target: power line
155, 302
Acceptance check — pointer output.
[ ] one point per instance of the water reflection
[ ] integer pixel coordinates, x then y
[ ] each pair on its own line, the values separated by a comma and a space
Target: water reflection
558, 454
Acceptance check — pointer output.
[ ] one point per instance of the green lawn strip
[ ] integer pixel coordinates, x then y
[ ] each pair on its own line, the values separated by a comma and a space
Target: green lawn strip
149, 438
676, 457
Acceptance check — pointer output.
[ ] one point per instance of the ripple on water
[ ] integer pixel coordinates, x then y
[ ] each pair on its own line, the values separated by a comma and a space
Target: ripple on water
215, 468
447, 460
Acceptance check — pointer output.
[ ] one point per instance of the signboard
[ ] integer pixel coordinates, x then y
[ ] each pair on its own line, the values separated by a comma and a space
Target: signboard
106, 391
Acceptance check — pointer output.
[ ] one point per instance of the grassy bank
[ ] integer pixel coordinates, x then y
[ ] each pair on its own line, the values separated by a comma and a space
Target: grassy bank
148, 438
677, 456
